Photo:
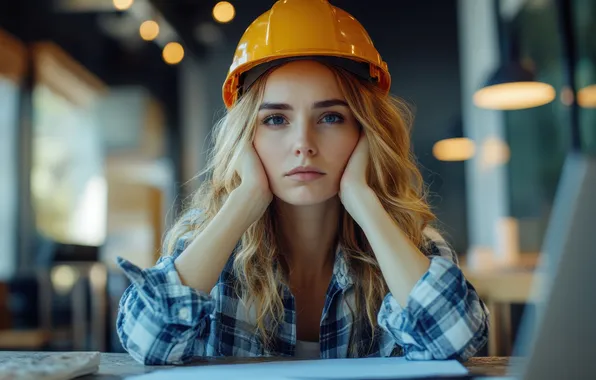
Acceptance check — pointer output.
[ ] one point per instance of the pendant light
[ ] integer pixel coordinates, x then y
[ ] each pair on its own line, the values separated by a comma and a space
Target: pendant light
454, 146
512, 86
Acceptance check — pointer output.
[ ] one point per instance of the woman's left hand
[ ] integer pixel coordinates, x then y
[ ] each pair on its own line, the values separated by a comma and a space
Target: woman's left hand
353, 182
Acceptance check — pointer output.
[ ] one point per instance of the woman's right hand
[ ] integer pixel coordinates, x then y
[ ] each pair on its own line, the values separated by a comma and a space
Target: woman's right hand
202, 261
255, 184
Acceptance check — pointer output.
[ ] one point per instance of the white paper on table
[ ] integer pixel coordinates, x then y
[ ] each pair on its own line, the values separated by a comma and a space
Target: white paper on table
366, 368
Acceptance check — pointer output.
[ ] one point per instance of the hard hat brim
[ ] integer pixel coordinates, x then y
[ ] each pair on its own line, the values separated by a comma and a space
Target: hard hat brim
240, 79
358, 68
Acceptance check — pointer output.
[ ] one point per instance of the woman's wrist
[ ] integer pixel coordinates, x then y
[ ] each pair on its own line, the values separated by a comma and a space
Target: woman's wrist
251, 201
357, 199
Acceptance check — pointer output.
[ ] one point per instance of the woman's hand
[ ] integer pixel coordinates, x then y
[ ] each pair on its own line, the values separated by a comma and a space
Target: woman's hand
255, 184
201, 263
401, 262
353, 185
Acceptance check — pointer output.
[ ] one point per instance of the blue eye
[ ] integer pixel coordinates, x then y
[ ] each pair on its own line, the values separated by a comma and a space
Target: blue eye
332, 119
274, 120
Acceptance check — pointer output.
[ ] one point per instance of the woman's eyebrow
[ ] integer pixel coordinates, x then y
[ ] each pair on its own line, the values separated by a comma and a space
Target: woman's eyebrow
275, 106
321, 104
330, 103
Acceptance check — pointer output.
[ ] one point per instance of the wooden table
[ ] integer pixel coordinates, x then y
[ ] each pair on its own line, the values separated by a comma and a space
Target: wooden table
118, 366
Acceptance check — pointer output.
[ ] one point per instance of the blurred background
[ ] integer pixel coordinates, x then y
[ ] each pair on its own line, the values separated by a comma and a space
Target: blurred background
106, 107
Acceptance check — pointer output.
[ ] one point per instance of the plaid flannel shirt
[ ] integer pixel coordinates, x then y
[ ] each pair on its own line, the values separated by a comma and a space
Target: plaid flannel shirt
162, 321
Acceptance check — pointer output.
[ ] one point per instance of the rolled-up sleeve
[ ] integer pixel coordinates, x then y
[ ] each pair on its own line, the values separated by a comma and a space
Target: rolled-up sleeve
444, 317
160, 320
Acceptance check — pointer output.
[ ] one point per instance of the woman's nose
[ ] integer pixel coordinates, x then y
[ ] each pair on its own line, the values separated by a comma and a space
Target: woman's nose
305, 144
304, 150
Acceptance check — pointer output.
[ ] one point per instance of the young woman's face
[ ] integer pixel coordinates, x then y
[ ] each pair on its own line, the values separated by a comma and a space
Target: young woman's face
305, 133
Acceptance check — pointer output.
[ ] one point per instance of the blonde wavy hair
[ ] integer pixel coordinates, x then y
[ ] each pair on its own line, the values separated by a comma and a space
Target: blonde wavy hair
393, 175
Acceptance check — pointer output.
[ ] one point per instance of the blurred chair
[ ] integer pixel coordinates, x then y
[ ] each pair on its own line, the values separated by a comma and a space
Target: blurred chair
75, 272
18, 339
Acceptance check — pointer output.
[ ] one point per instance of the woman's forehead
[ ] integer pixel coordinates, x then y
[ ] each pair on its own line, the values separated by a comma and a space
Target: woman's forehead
302, 80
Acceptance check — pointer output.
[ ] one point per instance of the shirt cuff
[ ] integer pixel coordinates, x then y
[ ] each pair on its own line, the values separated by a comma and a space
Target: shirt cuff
443, 315
162, 291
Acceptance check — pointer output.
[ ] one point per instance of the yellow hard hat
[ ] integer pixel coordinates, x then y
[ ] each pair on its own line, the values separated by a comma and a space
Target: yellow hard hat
297, 29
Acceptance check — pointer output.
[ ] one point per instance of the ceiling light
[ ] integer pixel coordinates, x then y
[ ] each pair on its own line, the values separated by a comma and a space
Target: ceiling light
454, 149
513, 87
173, 53
454, 146
223, 12
122, 5
149, 30
586, 97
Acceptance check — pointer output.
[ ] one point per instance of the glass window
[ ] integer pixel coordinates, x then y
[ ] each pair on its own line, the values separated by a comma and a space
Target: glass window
539, 138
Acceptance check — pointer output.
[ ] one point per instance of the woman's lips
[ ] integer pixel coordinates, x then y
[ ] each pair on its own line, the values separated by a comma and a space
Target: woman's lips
305, 176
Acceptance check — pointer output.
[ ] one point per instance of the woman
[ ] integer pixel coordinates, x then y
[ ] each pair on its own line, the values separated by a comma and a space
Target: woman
310, 238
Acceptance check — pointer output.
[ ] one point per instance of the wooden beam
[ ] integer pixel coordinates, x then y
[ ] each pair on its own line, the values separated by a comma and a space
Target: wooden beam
13, 57
64, 75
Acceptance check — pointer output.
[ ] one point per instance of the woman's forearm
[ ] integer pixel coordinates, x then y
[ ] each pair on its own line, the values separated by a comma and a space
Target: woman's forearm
401, 262
201, 263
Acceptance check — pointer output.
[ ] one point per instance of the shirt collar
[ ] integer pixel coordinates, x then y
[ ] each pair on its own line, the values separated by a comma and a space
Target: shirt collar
341, 270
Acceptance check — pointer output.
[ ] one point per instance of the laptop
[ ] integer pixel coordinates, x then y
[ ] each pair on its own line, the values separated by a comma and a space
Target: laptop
557, 337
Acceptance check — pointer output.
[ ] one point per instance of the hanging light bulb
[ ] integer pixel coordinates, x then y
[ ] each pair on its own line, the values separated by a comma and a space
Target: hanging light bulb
122, 5
173, 53
454, 146
567, 97
493, 152
224, 12
586, 83
512, 86
586, 97
149, 30
454, 149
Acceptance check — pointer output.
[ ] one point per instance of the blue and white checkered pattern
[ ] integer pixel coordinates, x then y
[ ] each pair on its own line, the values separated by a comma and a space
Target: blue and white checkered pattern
161, 321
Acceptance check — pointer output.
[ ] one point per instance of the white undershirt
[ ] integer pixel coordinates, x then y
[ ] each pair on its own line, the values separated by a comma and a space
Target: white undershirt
307, 350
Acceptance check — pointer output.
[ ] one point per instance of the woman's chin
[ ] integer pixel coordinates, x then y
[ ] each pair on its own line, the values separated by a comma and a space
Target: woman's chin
305, 197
